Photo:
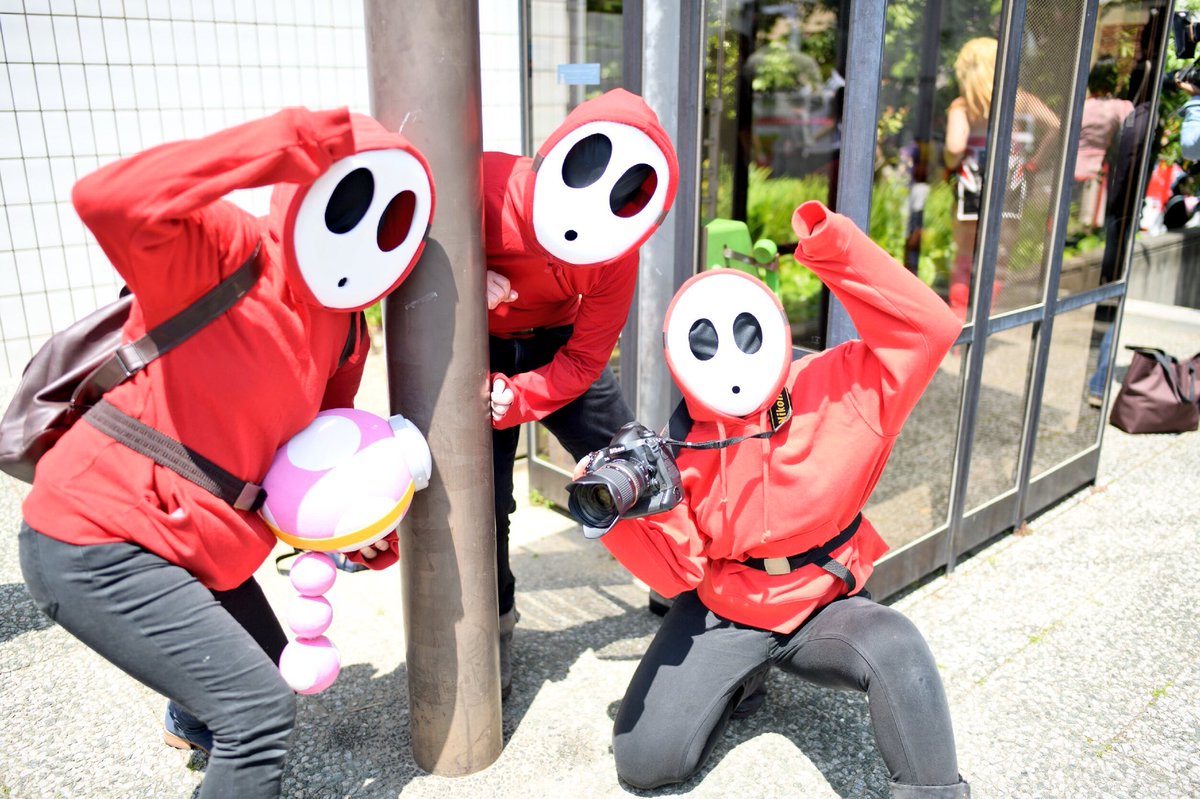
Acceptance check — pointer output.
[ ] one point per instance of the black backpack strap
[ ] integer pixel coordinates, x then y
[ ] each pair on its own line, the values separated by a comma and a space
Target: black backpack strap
166, 451
358, 326
131, 358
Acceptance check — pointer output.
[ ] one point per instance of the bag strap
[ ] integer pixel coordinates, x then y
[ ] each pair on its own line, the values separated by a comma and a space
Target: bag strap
184, 461
131, 358
1185, 394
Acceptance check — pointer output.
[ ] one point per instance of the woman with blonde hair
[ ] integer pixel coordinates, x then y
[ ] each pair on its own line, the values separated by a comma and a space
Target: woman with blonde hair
965, 154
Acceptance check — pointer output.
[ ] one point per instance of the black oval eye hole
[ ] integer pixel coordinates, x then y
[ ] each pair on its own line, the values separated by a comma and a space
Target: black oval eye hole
747, 333
350, 200
396, 221
633, 190
586, 161
702, 338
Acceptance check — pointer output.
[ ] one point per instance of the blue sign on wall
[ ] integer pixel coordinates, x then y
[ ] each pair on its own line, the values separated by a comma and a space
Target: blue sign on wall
586, 74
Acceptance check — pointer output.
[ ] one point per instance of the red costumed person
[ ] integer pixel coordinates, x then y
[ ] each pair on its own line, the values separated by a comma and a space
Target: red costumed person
768, 551
145, 566
562, 233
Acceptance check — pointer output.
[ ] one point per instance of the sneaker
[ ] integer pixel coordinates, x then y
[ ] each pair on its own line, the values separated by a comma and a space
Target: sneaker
508, 623
1095, 400
753, 697
181, 731
659, 604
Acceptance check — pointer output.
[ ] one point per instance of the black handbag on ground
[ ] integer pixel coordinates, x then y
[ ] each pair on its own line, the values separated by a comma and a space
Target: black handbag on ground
72, 371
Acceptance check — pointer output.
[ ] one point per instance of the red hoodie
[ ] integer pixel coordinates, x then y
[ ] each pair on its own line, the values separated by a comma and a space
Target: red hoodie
565, 229
258, 374
795, 490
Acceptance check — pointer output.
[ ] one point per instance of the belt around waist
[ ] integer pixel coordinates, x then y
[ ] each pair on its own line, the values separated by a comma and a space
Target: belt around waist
819, 556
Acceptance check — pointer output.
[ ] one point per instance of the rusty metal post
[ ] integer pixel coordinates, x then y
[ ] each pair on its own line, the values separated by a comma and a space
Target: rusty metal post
423, 62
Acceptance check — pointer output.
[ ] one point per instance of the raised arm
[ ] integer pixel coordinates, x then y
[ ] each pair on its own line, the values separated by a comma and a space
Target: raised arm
905, 328
159, 208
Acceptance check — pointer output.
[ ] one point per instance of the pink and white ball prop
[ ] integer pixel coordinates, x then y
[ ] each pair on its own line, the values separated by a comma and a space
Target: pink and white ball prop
311, 662
340, 484
345, 481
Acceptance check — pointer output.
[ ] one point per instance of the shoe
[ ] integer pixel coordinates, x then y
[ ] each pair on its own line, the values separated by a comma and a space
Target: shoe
753, 697
185, 733
1095, 400
508, 623
659, 604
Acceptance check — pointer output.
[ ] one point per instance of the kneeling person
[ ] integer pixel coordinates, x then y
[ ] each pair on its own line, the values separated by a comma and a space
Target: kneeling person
768, 550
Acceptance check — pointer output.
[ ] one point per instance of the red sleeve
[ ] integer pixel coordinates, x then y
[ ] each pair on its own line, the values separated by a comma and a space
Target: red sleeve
578, 364
158, 211
665, 550
383, 559
905, 328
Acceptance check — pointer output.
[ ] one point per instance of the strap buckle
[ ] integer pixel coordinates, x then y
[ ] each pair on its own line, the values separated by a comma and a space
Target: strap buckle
776, 566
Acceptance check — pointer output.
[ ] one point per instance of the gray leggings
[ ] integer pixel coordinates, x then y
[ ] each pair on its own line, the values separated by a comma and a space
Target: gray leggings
156, 622
699, 665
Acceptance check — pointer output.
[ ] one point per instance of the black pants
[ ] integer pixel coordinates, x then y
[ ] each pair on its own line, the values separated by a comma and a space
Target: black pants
699, 665
583, 425
213, 653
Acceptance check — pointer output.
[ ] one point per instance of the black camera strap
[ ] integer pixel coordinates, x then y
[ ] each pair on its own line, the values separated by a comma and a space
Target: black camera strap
681, 423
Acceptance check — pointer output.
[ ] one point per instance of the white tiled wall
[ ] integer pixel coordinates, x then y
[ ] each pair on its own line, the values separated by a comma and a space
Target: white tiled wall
88, 81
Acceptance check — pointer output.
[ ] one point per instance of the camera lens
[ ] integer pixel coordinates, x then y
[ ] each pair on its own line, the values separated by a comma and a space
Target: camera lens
598, 499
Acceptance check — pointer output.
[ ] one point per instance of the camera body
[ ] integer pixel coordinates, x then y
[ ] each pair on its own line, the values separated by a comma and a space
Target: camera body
634, 476
1185, 29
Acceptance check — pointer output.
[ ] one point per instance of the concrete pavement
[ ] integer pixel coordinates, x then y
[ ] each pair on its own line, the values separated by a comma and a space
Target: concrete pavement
1070, 657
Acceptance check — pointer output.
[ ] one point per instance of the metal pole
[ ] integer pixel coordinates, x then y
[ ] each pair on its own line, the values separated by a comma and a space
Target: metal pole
424, 75
991, 222
856, 167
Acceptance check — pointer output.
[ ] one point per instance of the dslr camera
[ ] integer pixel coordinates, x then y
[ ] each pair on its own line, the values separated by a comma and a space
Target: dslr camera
635, 475
1185, 29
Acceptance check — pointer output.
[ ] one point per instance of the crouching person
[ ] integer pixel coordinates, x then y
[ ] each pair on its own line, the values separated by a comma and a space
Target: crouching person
767, 550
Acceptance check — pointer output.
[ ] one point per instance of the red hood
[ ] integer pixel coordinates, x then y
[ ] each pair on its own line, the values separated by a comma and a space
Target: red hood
576, 227
393, 265
712, 320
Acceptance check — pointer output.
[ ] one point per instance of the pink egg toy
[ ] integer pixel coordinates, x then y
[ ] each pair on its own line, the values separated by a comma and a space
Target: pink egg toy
309, 616
313, 574
310, 665
344, 481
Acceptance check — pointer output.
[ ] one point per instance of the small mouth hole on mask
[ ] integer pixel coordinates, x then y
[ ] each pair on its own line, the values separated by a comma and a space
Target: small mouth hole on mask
737, 389
570, 235
397, 221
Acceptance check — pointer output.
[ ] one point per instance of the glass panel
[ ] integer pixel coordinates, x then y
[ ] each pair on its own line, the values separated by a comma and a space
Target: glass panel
567, 32
914, 205
1107, 190
1001, 414
913, 495
773, 88
1075, 380
1044, 94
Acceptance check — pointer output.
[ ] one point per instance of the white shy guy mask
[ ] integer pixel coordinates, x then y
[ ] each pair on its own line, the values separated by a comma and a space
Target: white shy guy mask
598, 192
727, 342
359, 226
